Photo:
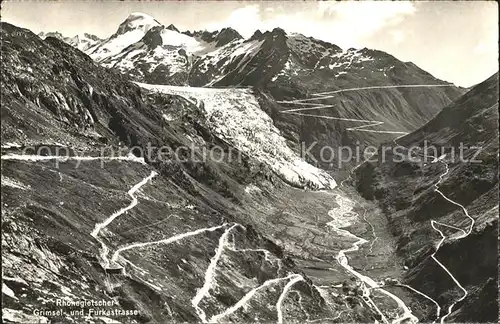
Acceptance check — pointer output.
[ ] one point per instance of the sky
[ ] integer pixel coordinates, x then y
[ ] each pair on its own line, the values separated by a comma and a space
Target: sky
454, 41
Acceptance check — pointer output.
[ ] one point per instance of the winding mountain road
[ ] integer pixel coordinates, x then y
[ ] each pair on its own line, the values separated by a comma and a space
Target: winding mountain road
209, 277
341, 258
332, 94
345, 207
104, 251
443, 238
37, 158
169, 240
435, 224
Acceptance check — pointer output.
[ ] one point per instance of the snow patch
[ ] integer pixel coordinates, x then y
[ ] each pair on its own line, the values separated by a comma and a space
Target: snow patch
134, 29
7, 291
251, 188
108, 320
6, 181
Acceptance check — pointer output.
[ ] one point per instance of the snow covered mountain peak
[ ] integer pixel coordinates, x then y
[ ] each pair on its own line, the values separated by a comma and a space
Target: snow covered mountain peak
130, 31
162, 53
137, 21
151, 52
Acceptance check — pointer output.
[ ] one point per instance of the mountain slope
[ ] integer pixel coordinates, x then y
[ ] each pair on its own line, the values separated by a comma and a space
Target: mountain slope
412, 193
180, 240
58, 95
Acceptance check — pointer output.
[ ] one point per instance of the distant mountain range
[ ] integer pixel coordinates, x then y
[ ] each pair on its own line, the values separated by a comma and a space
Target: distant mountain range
283, 67
82, 42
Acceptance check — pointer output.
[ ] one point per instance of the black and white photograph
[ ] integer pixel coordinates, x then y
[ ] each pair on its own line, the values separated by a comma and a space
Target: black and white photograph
249, 161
